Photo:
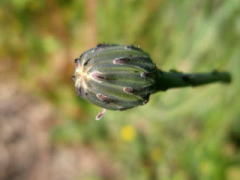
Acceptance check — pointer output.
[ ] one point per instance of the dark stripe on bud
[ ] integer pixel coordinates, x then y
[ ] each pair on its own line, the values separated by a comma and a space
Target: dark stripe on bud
134, 48
103, 98
81, 92
98, 76
128, 90
77, 61
102, 45
86, 62
145, 74
142, 62
73, 77
93, 98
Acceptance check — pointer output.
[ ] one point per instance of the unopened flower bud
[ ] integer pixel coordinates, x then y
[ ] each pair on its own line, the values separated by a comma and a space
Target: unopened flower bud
119, 77
115, 77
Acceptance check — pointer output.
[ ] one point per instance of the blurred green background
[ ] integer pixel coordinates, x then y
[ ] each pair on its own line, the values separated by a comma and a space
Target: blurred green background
189, 133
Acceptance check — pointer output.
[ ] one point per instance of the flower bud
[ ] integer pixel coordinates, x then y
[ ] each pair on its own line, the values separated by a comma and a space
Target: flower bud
115, 77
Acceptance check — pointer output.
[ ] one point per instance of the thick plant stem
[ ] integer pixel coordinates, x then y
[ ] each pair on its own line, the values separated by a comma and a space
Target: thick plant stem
174, 79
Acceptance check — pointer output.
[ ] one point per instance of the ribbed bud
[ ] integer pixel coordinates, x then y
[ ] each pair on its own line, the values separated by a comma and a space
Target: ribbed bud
115, 77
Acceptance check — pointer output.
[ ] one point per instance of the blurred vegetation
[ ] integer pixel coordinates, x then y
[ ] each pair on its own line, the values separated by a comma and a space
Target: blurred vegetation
191, 133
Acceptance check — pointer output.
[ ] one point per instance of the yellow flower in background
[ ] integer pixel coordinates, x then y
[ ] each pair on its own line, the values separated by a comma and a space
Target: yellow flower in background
128, 133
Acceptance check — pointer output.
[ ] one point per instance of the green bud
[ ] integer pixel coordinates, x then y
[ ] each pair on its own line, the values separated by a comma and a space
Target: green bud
119, 77
115, 77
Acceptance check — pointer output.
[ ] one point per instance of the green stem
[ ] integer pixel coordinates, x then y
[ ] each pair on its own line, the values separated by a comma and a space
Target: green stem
174, 79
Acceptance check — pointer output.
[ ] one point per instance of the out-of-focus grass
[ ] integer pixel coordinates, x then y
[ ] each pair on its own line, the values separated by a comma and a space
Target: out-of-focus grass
191, 133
